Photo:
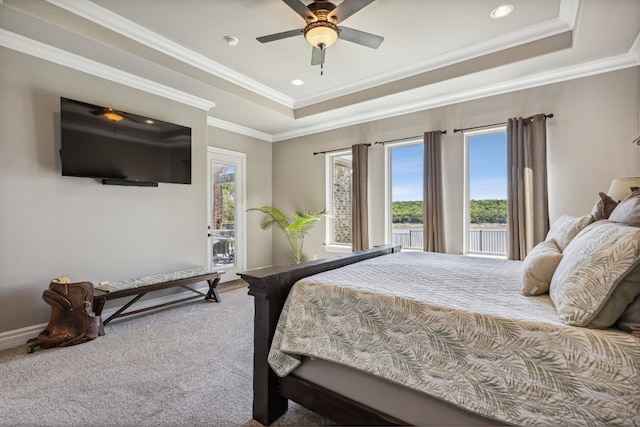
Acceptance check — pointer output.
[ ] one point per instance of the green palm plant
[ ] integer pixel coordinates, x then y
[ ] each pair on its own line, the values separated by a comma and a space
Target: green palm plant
294, 229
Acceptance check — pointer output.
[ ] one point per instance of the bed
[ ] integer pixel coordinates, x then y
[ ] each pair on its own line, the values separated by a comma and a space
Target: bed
384, 337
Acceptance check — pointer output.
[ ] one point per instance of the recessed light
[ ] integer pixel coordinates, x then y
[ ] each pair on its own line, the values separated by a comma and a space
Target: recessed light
231, 41
297, 82
501, 11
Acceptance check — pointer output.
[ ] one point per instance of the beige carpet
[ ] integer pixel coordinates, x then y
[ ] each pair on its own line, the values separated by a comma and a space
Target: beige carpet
186, 365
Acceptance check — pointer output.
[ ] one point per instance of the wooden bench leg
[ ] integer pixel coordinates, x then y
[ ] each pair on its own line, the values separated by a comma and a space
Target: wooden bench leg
98, 305
123, 308
213, 292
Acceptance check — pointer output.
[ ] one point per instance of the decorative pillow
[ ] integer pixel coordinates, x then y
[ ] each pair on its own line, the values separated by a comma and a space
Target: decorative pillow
539, 266
630, 319
628, 210
590, 278
603, 207
628, 288
565, 228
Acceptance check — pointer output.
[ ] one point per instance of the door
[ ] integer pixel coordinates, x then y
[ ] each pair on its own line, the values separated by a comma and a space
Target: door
227, 242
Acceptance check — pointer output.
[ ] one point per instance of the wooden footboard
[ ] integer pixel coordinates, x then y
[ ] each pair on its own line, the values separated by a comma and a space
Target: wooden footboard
270, 287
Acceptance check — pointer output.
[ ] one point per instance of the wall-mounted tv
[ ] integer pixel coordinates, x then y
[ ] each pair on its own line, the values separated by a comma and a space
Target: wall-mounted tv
122, 148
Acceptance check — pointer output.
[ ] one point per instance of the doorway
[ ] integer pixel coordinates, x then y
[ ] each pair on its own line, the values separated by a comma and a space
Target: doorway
226, 205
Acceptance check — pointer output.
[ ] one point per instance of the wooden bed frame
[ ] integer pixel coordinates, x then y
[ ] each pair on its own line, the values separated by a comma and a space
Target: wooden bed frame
270, 287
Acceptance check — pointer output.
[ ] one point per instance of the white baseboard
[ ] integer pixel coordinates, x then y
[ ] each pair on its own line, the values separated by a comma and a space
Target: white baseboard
19, 337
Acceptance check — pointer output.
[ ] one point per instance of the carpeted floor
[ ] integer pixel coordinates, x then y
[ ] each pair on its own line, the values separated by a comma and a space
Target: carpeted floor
186, 365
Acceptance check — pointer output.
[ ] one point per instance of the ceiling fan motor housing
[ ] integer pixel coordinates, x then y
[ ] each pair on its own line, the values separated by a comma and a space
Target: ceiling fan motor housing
320, 32
321, 9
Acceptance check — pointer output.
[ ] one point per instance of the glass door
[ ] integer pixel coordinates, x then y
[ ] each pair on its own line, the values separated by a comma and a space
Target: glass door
226, 211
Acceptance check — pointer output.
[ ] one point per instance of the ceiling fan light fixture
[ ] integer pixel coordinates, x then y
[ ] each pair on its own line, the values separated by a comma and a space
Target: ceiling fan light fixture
321, 34
112, 115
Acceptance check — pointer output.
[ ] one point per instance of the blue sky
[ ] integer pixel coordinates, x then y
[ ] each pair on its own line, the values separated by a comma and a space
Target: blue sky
487, 168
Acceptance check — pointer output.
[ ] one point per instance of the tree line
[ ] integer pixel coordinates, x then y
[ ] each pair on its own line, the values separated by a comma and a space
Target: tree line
489, 211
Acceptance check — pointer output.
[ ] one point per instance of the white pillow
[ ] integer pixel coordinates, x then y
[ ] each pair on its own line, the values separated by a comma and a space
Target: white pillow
593, 270
565, 228
539, 265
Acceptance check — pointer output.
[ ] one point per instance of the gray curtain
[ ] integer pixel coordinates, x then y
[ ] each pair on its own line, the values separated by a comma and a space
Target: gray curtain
359, 198
432, 188
528, 211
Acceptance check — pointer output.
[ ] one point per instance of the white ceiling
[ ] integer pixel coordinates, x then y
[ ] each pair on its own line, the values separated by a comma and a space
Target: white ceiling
435, 52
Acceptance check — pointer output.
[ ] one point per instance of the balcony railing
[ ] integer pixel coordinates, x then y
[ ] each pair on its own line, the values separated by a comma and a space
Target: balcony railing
480, 240
412, 239
488, 241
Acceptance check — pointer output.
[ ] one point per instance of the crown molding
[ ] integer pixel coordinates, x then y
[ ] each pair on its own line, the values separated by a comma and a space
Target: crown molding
517, 38
55, 55
236, 128
52, 54
569, 12
133, 31
541, 79
104, 17
635, 49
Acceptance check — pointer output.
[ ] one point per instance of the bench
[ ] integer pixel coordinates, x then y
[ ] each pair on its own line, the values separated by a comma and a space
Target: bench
141, 286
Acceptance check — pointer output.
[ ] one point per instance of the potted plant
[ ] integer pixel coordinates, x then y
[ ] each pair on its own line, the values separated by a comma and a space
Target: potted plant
294, 229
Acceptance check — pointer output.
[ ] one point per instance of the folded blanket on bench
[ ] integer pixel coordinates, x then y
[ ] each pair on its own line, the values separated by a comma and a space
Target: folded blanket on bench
152, 280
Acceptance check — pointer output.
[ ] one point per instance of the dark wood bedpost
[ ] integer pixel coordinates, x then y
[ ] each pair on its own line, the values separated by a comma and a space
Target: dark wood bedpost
268, 405
270, 287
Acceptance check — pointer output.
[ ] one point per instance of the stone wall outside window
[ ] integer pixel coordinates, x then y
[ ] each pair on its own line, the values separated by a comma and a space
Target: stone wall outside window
341, 215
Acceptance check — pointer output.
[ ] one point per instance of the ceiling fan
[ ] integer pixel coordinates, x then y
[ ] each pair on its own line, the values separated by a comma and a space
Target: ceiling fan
322, 29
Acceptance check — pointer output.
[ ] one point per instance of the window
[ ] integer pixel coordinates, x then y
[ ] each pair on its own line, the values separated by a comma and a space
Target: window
338, 233
404, 194
486, 192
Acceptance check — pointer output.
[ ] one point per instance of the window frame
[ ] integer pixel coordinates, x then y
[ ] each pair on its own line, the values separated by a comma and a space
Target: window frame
330, 244
466, 196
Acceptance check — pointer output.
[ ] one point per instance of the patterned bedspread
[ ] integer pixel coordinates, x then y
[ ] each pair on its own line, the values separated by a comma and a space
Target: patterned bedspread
458, 328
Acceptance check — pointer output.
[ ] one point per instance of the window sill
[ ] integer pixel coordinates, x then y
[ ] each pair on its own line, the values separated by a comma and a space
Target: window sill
342, 249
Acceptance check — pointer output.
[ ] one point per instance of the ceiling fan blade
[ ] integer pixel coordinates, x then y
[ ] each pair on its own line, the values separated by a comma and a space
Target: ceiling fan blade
360, 37
348, 8
279, 36
301, 9
317, 56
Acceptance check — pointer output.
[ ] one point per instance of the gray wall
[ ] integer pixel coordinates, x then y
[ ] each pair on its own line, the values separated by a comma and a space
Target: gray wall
258, 171
53, 226
589, 143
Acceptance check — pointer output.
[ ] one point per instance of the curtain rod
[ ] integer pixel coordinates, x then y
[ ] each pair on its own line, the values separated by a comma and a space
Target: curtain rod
444, 132
546, 116
337, 149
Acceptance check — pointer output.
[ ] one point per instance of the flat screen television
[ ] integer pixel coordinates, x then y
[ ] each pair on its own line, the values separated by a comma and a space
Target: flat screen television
122, 148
